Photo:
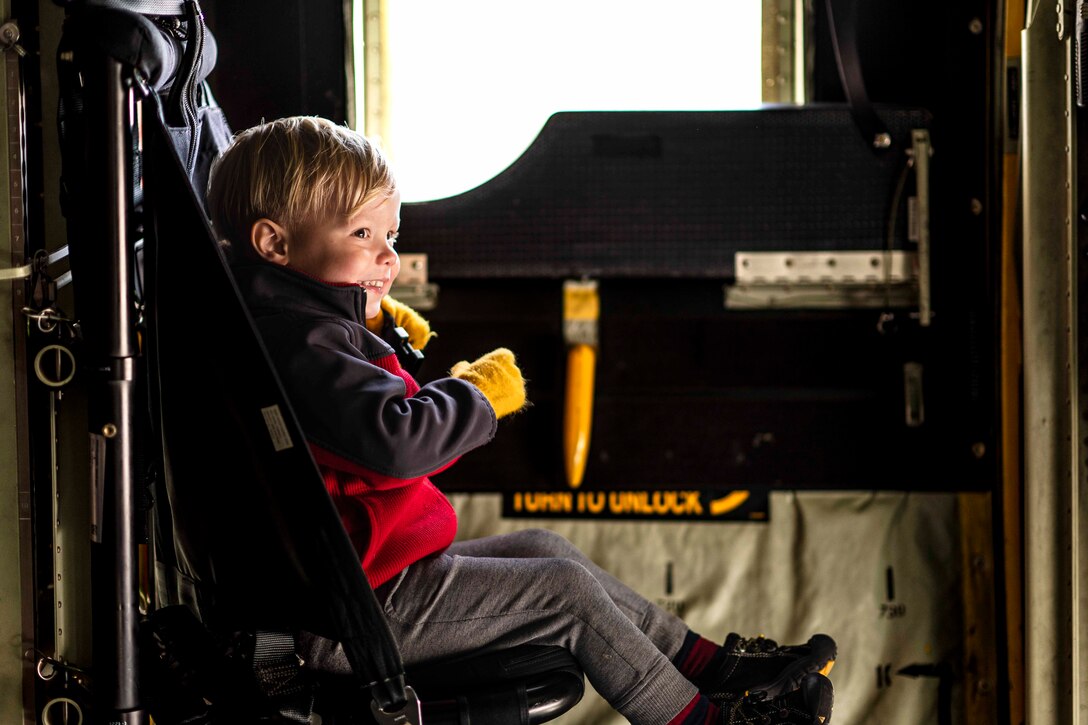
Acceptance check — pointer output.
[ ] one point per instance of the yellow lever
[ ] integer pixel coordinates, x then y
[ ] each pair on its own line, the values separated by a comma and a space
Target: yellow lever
581, 309
578, 415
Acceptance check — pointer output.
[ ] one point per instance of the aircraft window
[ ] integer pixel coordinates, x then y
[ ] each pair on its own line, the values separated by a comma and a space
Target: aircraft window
464, 87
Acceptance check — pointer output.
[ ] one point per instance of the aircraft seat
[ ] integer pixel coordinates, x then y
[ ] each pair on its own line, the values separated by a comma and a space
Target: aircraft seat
250, 555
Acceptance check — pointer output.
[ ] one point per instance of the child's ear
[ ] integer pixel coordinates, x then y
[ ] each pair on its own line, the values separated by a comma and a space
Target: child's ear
269, 241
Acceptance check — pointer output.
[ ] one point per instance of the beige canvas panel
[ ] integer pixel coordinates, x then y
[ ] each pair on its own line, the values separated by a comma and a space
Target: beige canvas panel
820, 565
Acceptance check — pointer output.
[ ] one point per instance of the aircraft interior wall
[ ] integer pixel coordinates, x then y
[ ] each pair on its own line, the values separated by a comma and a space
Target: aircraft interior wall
755, 463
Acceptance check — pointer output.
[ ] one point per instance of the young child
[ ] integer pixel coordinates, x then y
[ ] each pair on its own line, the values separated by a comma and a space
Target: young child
311, 213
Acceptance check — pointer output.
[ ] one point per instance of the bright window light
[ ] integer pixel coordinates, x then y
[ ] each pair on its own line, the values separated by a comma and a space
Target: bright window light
471, 83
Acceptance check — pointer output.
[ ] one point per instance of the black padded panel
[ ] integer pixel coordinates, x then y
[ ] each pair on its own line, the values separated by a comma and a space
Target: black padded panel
655, 194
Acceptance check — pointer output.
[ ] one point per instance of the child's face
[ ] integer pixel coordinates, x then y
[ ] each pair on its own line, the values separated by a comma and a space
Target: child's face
357, 251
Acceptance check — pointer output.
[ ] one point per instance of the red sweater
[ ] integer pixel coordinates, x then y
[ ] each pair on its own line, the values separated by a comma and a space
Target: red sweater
407, 519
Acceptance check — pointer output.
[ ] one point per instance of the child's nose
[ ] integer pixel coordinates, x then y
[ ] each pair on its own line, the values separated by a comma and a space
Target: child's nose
388, 255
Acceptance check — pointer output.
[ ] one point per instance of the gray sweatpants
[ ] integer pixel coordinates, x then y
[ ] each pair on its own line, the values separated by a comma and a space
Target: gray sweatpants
535, 586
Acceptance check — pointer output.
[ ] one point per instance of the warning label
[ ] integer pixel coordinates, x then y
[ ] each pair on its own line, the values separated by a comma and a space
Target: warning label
679, 505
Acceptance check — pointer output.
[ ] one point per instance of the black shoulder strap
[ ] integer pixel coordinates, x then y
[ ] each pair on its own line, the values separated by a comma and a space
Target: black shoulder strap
281, 676
844, 40
181, 106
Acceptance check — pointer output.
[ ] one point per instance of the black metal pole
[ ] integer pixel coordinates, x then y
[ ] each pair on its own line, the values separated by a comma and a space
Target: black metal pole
119, 431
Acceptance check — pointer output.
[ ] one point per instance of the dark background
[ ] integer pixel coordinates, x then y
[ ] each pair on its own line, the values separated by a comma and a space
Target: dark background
689, 393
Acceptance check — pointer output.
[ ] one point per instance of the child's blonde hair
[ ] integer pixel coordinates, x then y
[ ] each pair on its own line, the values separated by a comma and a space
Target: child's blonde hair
298, 172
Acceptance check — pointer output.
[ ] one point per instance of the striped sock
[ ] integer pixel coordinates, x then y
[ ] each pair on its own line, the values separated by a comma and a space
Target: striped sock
696, 656
700, 711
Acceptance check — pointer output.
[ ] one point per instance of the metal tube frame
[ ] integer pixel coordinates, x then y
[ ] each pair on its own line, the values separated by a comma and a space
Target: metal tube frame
119, 432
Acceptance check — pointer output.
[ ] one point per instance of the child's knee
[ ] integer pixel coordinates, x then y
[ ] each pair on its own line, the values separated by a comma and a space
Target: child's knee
544, 542
571, 577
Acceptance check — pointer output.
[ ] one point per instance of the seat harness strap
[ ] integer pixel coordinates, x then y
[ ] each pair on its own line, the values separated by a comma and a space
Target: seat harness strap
279, 671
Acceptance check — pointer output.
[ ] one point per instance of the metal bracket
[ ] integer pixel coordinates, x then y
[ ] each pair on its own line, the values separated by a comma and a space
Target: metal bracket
799, 268
873, 278
411, 286
411, 713
922, 150
1065, 15
914, 397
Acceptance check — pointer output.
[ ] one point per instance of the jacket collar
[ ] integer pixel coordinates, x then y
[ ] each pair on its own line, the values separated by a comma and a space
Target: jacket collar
266, 286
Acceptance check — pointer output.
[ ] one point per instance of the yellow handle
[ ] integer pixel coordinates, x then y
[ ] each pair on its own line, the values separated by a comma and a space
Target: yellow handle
578, 415
725, 504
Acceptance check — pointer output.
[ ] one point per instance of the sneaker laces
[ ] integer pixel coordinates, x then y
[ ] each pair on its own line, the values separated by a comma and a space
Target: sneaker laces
756, 704
756, 645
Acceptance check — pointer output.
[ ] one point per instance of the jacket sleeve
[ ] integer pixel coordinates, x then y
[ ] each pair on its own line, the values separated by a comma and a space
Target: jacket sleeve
359, 411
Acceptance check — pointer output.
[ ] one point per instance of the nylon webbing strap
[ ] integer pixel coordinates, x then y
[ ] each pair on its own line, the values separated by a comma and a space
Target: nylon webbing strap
144, 7
844, 41
1080, 54
279, 671
181, 105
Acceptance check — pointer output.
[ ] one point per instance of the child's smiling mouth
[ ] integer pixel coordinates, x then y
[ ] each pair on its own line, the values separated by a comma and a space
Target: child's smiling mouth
376, 284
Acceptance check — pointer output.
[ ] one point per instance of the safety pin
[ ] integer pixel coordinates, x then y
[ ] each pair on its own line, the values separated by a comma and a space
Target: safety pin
55, 666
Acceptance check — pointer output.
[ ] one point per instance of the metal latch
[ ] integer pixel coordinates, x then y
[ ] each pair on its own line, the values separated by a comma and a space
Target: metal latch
411, 713
411, 286
9, 38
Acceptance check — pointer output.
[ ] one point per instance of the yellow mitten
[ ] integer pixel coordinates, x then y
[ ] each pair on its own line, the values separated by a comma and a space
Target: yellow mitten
418, 329
497, 376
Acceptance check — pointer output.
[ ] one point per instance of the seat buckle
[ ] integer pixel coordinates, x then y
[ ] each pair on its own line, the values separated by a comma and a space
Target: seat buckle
411, 713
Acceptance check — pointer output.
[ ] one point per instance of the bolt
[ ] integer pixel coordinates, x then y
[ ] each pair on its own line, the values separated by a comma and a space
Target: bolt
975, 26
979, 449
109, 430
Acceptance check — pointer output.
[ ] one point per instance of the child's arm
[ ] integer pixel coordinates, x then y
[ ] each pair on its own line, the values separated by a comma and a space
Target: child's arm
359, 410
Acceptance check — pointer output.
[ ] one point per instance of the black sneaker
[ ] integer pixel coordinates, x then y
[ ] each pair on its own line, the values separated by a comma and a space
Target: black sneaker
809, 704
762, 664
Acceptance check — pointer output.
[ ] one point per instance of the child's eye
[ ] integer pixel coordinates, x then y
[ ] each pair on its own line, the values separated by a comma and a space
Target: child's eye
362, 233
392, 238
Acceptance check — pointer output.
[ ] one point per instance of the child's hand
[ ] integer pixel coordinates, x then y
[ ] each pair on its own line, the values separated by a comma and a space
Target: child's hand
418, 329
497, 376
